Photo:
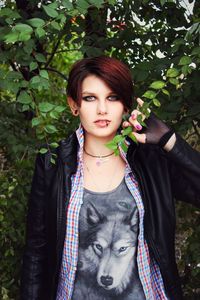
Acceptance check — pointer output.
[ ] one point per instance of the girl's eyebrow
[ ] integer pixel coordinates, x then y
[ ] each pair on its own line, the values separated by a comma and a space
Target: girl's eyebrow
85, 92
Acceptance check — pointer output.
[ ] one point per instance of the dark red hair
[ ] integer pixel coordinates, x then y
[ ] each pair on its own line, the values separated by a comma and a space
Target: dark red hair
113, 72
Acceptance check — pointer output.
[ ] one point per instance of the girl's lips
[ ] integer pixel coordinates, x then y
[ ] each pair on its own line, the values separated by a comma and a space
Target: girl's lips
102, 123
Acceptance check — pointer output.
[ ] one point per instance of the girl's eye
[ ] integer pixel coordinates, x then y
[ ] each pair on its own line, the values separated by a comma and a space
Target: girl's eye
113, 98
89, 98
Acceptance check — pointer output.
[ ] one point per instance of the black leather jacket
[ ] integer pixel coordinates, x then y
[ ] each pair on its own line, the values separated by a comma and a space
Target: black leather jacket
162, 176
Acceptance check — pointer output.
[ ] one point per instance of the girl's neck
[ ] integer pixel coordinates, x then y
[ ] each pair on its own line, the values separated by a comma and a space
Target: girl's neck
96, 145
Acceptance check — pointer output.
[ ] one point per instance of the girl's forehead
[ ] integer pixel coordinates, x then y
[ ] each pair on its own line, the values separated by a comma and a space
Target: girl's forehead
93, 83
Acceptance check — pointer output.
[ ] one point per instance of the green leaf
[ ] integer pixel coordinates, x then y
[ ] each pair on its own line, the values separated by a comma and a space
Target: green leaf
127, 130
196, 51
174, 81
116, 151
149, 94
35, 80
39, 83
165, 92
25, 107
112, 2
43, 150
162, 2
124, 146
111, 145
97, 3
118, 138
9, 12
45, 107
67, 4
44, 74
23, 37
54, 114
54, 145
55, 25
23, 28
51, 12
186, 69
157, 85
11, 37
29, 46
40, 32
173, 72
50, 128
52, 160
131, 135
40, 57
185, 60
60, 108
24, 98
53, 4
36, 22
156, 102
36, 121
33, 66
139, 119
82, 6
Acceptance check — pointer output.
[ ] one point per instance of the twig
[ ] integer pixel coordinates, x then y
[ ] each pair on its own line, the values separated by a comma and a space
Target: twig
26, 149
56, 71
53, 53
56, 46
195, 129
75, 49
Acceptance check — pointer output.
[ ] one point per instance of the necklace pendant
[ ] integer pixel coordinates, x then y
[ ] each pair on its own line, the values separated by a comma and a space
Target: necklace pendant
101, 160
98, 162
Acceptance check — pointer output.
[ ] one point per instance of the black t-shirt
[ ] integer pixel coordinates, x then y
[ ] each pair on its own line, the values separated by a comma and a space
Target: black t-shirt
108, 232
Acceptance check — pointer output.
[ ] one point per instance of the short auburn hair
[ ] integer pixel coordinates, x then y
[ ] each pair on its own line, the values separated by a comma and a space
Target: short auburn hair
112, 71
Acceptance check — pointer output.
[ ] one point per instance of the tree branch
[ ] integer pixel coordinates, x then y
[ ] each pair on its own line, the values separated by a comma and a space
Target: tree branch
56, 46
56, 71
67, 50
53, 53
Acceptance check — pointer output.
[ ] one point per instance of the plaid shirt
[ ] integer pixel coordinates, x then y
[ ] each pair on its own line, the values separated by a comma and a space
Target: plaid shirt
149, 272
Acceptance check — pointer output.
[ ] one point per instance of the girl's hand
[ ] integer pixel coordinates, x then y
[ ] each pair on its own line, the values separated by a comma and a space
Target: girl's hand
156, 132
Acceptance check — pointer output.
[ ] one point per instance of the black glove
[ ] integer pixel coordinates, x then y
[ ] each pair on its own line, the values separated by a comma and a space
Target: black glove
157, 132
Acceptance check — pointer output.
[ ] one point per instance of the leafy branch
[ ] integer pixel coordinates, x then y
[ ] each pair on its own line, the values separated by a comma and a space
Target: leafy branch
157, 87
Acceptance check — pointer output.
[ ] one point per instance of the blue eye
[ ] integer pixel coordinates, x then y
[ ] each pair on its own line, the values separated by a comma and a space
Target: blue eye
113, 98
89, 98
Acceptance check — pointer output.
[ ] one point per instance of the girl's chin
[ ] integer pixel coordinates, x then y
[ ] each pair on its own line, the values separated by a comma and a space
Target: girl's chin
101, 133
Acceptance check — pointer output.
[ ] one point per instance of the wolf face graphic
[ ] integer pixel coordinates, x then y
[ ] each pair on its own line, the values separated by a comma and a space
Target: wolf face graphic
106, 252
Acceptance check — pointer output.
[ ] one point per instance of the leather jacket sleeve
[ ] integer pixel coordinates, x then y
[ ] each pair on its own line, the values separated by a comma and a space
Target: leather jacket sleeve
34, 259
185, 171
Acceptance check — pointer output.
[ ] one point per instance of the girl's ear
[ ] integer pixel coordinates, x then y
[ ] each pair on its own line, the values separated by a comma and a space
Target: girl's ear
73, 106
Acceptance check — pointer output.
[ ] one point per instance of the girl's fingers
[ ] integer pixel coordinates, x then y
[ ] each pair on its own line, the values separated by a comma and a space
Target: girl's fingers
133, 119
126, 124
140, 101
140, 137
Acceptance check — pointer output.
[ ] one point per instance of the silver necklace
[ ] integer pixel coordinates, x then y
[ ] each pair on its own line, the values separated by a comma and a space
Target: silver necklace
93, 176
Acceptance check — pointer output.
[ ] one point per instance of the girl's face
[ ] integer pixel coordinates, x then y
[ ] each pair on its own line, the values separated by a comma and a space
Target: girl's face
101, 109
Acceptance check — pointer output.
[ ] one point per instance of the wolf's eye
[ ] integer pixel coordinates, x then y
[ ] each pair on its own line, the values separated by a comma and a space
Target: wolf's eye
99, 247
122, 249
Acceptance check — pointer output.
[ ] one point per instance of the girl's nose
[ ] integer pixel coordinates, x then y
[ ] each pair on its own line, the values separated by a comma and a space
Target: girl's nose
102, 107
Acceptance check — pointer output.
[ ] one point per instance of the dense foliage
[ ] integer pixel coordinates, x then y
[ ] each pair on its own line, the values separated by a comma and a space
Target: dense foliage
39, 40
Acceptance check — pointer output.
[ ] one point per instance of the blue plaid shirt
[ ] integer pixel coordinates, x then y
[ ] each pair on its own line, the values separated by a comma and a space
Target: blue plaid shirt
148, 269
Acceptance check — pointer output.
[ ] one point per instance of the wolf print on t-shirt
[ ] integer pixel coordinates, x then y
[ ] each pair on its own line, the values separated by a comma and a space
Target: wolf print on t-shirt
108, 228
